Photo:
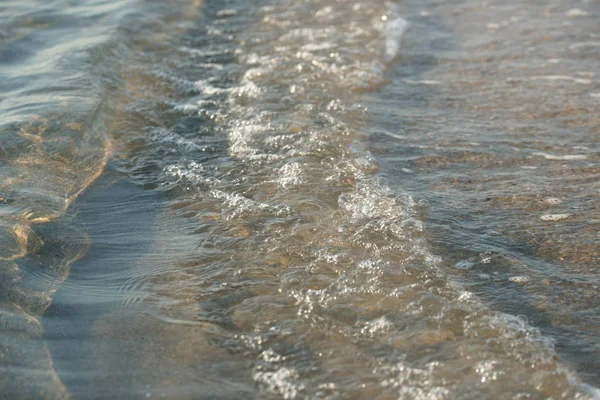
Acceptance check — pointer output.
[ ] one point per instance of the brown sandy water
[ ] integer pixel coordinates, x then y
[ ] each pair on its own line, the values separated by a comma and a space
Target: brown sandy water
304, 199
512, 188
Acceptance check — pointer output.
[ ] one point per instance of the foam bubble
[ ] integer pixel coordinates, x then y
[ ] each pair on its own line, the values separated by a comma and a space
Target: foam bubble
553, 200
583, 45
282, 382
422, 82
378, 326
290, 175
555, 217
576, 12
519, 279
562, 78
566, 157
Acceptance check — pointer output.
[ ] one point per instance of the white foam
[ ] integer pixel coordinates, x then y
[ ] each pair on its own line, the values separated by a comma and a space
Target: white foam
238, 205
282, 382
422, 82
165, 136
204, 87
517, 326
414, 383
582, 45
226, 13
581, 81
566, 157
554, 217
553, 200
377, 326
270, 356
290, 175
576, 12
200, 52
519, 279
186, 107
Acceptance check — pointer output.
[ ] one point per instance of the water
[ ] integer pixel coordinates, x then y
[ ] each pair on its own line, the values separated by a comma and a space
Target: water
299, 199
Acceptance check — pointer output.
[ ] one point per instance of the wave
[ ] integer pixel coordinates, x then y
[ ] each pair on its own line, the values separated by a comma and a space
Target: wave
283, 235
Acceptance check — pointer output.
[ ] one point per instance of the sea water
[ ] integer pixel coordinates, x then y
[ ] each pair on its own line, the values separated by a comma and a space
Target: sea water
299, 199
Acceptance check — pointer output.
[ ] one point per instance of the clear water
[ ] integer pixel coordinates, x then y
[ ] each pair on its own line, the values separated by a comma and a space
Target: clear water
299, 199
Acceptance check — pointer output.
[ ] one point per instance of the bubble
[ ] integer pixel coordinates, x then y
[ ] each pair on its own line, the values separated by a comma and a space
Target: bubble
555, 217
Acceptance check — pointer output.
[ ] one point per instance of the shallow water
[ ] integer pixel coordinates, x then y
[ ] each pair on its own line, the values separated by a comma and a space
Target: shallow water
299, 199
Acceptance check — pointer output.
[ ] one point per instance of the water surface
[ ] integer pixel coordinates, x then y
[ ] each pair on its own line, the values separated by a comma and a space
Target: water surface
299, 199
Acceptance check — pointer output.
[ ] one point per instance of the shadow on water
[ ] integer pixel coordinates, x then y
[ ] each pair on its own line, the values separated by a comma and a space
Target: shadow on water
481, 254
102, 328
119, 219
105, 339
